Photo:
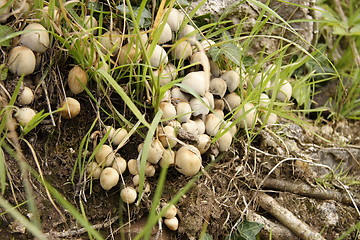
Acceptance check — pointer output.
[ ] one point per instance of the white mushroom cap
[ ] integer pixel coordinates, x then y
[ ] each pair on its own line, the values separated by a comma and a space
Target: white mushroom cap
199, 58
166, 34
268, 118
200, 125
119, 165
162, 76
109, 178
182, 50
204, 143
197, 81
94, 170
169, 110
249, 120
133, 166
158, 57
224, 142
264, 100
172, 223
260, 81
188, 160
71, 108
168, 158
219, 104
171, 211
128, 195
171, 70
178, 96
214, 69
199, 106
210, 97
26, 96
232, 79
77, 80
175, 19
167, 136
118, 136
90, 23
111, 42
285, 91
189, 32
218, 87
5, 10
127, 54
25, 115
105, 155
22, 61
149, 170
190, 126
155, 152
36, 38
183, 111
207, 43
212, 124
232, 101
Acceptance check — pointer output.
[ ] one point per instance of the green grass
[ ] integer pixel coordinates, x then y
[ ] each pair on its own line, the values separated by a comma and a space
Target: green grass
135, 84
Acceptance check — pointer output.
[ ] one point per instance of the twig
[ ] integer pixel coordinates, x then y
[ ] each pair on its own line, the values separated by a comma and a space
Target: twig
301, 229
80, 231
308, 191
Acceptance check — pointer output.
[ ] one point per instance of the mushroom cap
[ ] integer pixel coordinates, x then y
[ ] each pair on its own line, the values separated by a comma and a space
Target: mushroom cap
182, 50
232, 101
172, 223
158, 57
200, 125
128, 195
232, 79
171, 211
77, 80
118, 136
175, 19
105, 155
94, 170
203, 143
168, 158
133, 166
285, 90
109, 178
218, 87
168, 140
25, 115
224, 142
199, 106
36, 38
111, 42
190, 126
169, 110
178, 96
212, 124
268, 119
26, 96
119, 165
250, 118
188, 160
22, 61
264, 100
189, 32
183, 111
166, 34
197, 81
127, 54
90, 23
71, 108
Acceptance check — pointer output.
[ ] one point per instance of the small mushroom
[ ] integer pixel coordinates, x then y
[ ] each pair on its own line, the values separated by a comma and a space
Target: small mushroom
183, 112
200, 125
168, 158
109, 178
212, 124
5, 7
110, 42
35, 37
188, 160
285, 90
105, 155
178, 96
232, 101
264, 100
119, 165
189, 32
155, 151
268, 118
162, 76
219, 104
218, 87
190, 126
22, 61
196, 81
136, 179
90, 23
207, 43
118, 136
167, 136
149, 170
224, 142
203, 143
175, 19
182, 50
166, 34
94, 170
250, 118
128, 195
169, 110
199, 106
26, 96
158, 57
127, 54
77, 80
210, 97
172, 223
260, 81
70, 108
133, 166
25, 115
171, 70
232, 79
170, 212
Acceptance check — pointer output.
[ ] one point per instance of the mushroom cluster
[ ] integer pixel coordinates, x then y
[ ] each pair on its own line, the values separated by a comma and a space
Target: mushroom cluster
170, 218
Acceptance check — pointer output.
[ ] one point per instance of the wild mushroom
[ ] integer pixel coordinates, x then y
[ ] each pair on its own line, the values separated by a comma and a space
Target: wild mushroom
94, 170
169, 110
171, 210
105, 155
190, 126
175, 19
212, 124
199, 106
224, 142
248, 113
168, 158
232, 79
182, 50
189, 32
70, 108
25, 115
183, 112
119, 164
166, 34
232, 101
195, 81
200, 125
268, 118
172, 223
90, 23
21, 61
188, 160
118, 136
203, 143
77, 80
110, 42
218, 87
127, 54
128, 195
109, 178
26, 96
167, 136
133, 166
178, 96
35, 37
158, 57
285, 90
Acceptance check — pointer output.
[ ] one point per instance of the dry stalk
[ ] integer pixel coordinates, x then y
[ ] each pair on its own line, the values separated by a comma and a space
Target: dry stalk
287, 218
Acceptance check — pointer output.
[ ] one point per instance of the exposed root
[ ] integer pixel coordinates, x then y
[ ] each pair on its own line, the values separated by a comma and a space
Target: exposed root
308, 191
301, 229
